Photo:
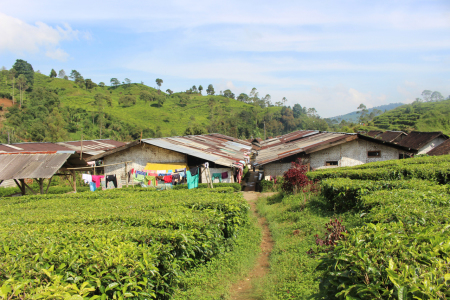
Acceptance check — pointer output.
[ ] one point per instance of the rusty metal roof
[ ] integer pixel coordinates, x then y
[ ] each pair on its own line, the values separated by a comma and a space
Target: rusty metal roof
391, 136
442, 149
220, 149
308, 142
311, 142
22, 166
416, 140
31, 147
90, 147
374, 133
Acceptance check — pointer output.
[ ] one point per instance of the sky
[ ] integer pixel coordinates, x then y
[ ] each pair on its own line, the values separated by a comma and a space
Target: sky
330, 55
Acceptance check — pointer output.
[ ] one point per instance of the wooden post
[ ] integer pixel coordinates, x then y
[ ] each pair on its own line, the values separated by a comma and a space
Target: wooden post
81, 155
74, 181
41, 185
49, 181
126, 174
94, 168
21, 187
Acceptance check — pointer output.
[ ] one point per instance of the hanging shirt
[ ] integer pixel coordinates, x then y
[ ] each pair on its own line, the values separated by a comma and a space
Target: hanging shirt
111, 178
151, 180
216, 175
97, 179
224, 175
176, 178
161, 172
92, 186
192, 181
87, 178
194, 171
168, 179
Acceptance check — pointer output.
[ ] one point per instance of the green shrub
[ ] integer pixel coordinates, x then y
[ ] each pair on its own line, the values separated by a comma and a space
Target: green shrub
236, 186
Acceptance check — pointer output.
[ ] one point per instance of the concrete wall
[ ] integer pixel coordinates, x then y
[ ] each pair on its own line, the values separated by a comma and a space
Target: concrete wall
352, 153
8, 183
276, 169
349, 154
140, 155
431, 145
230, 178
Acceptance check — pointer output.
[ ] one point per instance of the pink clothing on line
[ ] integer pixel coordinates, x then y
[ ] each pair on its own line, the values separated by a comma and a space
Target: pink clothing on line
97, 179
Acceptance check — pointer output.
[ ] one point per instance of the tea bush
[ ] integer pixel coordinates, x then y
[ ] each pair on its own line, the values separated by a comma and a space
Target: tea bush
403, 250
236, 186
344, 193
112, 244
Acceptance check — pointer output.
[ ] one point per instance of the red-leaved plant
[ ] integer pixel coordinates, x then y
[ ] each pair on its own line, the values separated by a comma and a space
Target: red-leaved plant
334, 233
295, 178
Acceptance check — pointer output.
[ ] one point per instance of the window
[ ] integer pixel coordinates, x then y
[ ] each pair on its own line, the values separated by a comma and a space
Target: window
374, 154
332, 163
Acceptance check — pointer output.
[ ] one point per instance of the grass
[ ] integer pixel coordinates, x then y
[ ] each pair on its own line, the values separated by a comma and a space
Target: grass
213, 280
293, 224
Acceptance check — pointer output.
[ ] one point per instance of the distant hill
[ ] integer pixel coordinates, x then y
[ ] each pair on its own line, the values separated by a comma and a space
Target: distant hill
423, 116
354, 116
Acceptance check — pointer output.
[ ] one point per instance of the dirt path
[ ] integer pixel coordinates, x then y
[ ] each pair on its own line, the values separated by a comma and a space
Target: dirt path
243, 290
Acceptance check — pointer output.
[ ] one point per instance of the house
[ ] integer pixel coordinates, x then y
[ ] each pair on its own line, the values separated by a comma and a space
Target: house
442, 149
324, 150
423, 142
220, 151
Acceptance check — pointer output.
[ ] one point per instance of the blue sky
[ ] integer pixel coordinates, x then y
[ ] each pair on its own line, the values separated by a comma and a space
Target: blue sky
331, 55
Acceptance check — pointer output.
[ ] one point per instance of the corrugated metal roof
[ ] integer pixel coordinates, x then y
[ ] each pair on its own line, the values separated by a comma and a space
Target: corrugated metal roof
416, 140
442, 149
308, 143
391, 136
89, 146
216, 148
22, 166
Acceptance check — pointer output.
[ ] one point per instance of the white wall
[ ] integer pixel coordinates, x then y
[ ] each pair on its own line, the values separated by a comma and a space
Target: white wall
352, 153
230, 178
431, 145
140, 155
276, 169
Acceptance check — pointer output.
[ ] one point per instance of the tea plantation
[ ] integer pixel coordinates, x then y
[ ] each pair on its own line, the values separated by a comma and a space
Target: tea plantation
402, 250
133, 244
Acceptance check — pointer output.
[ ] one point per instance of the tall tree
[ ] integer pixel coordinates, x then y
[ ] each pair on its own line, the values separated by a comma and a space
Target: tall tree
426, 95
436, 96
161, 99
74, 75
128, 81
159, 82
53, 73
169, 91
228, 94
200, 89
22, 67
61, 74
115, 82
194, 89
22, 83
210, 90
12, 77
243, 98
5, 74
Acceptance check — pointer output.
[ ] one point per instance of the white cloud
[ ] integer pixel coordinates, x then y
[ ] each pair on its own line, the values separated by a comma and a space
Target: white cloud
57, 54
19, 37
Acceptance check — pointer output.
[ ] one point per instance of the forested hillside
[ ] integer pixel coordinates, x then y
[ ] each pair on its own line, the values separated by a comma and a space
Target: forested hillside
421, 116
48, 108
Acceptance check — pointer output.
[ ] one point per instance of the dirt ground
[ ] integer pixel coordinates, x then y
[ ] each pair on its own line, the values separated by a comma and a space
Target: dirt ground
6, 103
243, 290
